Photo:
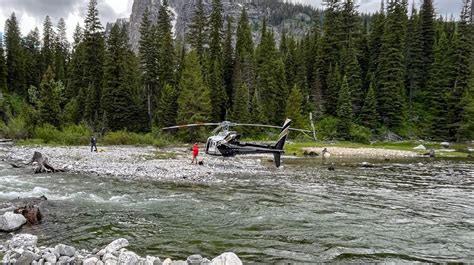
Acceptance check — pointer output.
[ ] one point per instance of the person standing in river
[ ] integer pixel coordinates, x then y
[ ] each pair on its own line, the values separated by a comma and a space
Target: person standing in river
195, 152
93, 144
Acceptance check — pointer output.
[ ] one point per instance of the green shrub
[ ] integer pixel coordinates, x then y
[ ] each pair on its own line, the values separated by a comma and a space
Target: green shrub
76, 135
360, 134
128, 138
48, 133
326, 129
15, 129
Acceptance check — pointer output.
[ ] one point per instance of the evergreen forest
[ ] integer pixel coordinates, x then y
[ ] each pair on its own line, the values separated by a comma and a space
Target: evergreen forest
403, 71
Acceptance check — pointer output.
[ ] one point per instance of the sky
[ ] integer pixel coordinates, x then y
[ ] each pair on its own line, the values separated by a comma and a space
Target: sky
31, 13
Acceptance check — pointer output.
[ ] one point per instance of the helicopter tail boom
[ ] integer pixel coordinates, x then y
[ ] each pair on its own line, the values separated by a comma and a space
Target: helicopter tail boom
285, 129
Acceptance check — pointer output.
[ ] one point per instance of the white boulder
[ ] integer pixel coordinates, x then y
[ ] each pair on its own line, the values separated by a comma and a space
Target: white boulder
227, 258
11, 222
65, 250
420, 147
116, 245
23, 240
128, 258
90, 261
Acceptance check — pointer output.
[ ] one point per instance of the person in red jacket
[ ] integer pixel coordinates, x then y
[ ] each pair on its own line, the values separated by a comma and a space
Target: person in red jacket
195, 152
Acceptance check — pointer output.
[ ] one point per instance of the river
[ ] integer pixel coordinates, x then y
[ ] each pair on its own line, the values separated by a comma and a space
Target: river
403, 211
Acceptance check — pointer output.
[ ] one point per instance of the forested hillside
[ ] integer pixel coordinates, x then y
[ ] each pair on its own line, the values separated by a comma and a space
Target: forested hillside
400, 70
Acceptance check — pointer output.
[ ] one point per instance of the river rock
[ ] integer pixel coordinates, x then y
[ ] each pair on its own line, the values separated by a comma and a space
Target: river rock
11, 222
63, 260
116, 245
152, 260
227, 258
194, 259
50, 257
420, 147
25, 259
444, 144
64, 250
128, 258
22, 240
167, 261
111, 262
108, 256
90, 261
179, 262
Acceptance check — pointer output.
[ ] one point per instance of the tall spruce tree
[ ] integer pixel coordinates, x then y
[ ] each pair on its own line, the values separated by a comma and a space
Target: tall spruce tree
167, 109
61, 51
240, 109
47, 50
244, 69
414, 59
117, 89
375, 39
368, 115
354, 79
197, 35
15, 58
94, 57
391, 72
32, 58
194, 101
331, 93
228, 57
427, 24
216, 22
166, 52
344, 111
294, 108
49, 99
148, 62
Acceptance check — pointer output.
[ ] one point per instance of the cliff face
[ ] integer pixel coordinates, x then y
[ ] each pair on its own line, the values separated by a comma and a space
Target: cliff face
296, 19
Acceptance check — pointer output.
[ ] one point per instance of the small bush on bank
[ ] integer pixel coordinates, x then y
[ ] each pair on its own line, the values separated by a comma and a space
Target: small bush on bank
360, 134
128, 138
326, 129
15, 129
70, 135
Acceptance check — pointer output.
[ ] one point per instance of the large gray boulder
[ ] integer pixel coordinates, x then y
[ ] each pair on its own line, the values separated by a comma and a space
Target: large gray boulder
116, 245
11, 222
90, 261
227, 258
194, 259
128, 258
22, 240
25, 259
65, 250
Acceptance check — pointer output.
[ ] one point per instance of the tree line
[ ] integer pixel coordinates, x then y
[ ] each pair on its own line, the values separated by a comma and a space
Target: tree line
400, 70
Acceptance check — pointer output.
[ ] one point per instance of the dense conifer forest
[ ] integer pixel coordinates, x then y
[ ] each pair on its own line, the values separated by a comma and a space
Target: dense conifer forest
398, 71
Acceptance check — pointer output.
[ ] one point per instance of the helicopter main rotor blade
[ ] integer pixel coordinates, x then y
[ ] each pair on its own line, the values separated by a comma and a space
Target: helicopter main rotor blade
267, 126
190, 125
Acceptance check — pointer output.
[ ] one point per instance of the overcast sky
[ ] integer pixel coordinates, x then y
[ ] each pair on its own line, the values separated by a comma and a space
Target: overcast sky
31, 13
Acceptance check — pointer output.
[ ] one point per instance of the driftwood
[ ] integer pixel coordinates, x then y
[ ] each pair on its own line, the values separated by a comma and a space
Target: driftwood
42, 164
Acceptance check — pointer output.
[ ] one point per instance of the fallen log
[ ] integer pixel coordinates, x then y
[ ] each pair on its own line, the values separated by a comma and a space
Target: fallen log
42, 164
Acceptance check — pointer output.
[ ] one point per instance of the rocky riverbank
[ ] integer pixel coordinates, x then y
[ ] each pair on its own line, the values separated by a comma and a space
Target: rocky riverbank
364, 152
140, 163
22, 249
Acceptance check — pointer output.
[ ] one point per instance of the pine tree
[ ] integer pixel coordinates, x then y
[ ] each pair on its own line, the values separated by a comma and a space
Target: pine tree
240, 109
354, 79
197, 30
427, 17
414, 59
244, 68
15, 61
94, 56
194, 101
331, 93
466, 130
439, 85
119, 85
216, 25
375, 39
344, 111
391, 74
167, 108
49, 99
32, 58
368, 115
75, 67
228, 57
61, 51
47, 50
218, 91
294, 109
166, 56
3, 69
148, 62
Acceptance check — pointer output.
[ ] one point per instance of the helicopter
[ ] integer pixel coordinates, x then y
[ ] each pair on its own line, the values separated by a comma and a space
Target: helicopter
226, 143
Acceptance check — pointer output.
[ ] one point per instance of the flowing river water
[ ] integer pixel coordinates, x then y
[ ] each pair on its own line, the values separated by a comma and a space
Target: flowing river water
407, 211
